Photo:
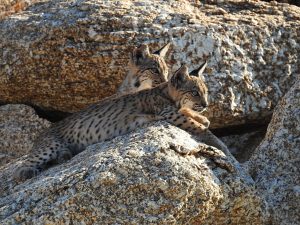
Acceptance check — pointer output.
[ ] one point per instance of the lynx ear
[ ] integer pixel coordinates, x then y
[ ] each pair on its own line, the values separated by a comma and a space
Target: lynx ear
140, 53
163, 51
198, 72
180, 76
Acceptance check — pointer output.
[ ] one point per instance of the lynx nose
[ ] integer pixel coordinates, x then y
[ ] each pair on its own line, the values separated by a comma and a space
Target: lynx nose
205, 104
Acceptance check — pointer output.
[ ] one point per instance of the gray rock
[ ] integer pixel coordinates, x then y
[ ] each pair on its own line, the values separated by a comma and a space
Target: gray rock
275, 164
242, 146
65, 55
19, 125
134, 179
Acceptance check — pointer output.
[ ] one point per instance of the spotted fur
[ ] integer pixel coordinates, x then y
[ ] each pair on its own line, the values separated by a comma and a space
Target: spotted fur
149, 70
117, 116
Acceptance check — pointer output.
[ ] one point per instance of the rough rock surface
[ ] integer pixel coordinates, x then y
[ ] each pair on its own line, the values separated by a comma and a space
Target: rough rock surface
19, 126
65, 55
133, 179
275, 164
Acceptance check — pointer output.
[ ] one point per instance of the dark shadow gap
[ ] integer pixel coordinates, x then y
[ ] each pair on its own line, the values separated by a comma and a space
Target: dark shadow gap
291, 2
240, 129
50, 115
242, 140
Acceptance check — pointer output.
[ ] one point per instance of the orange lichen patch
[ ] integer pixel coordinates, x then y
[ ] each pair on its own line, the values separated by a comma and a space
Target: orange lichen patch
8, 7
19, 6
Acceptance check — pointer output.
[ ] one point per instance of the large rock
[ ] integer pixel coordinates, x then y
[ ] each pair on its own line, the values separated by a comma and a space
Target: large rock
275, 164
19, 125
65, 55
133, 179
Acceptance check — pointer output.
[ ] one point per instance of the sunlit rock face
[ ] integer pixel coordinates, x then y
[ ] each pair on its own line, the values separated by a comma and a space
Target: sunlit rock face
65, 55
19, 126
275, 163
135, 178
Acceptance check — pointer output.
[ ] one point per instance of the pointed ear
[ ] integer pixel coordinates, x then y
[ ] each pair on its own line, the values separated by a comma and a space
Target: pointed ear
180, 76
163, 51
140, 53
198, 72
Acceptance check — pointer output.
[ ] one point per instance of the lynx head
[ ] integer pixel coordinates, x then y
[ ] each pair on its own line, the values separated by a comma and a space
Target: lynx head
188, 90
146, 70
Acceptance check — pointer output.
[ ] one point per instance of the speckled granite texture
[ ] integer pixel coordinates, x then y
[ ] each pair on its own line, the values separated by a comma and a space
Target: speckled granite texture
275, 164
133, 179
65, 55
19, 125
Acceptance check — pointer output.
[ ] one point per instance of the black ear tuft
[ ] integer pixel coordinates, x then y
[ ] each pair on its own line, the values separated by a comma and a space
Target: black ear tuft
198, 72
140, 53
180, 76
163, 51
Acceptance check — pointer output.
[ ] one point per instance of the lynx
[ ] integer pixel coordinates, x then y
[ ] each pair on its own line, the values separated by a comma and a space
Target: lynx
113, 117
146, 70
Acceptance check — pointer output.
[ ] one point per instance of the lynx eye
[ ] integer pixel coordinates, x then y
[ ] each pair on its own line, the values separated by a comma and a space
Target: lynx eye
155, 70
195, 93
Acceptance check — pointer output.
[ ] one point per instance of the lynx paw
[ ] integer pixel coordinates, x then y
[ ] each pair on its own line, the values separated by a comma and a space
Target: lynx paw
24, 173
205, 122
63, 156
196, 116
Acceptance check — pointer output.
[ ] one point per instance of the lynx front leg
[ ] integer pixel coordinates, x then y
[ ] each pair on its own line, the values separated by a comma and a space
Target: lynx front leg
189, 124
195, 115
180, 120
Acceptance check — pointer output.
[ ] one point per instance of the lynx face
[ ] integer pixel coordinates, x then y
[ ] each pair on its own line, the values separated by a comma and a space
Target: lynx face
146, 70
189, 90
